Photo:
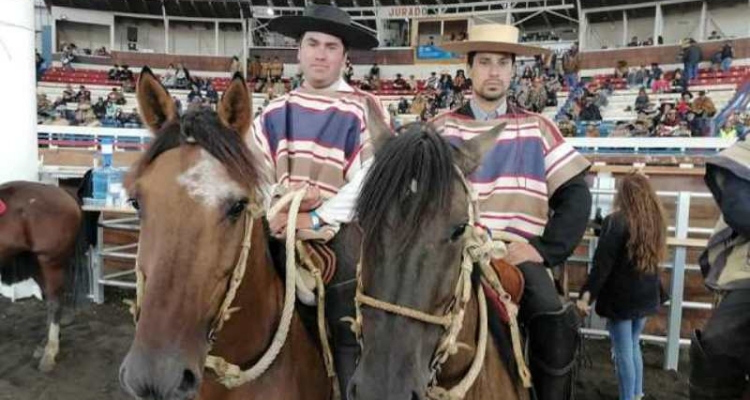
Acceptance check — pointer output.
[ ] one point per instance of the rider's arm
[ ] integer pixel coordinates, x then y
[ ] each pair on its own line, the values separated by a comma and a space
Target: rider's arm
339, 209
570, 206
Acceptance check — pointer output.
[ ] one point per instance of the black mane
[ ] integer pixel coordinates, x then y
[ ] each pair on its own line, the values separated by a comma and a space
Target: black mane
418, 155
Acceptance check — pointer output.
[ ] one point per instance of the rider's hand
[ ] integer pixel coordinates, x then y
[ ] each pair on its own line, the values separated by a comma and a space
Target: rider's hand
277, 225
522, 252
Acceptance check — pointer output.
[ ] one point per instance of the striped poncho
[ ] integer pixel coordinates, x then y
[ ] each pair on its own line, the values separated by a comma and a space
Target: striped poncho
316, 137
520, 174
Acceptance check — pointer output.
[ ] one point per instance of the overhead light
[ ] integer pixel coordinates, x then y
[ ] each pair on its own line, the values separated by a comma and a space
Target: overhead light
269, 11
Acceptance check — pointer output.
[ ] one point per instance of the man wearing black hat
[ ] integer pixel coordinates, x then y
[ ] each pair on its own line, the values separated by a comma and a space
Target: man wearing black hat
317, 135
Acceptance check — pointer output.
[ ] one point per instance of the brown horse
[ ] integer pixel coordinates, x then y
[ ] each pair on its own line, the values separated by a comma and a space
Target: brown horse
40, 233
414, 210
194, 187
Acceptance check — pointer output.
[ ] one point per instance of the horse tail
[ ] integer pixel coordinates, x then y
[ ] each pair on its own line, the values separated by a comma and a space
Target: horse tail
77, 281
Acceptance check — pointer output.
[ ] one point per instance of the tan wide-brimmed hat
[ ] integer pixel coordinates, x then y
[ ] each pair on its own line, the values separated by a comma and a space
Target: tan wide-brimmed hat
493, 38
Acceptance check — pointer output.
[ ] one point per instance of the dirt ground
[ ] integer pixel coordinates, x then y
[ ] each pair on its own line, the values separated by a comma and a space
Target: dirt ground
96, 340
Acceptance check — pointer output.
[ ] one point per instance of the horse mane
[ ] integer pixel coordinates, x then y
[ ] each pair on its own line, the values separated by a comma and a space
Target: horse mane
204, 128
413, 173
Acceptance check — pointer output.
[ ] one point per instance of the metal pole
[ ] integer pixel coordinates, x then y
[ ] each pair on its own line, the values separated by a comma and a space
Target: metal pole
624, 28
166, 28
658, 23
702, 25
216, 38
674, 323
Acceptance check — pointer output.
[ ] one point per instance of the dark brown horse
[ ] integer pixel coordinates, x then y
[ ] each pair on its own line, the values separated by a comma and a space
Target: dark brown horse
40, 239
414, 210
194, 187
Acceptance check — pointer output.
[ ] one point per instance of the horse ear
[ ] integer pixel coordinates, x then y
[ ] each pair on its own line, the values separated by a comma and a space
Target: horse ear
155, 103
471, 152
236, 108
380, 132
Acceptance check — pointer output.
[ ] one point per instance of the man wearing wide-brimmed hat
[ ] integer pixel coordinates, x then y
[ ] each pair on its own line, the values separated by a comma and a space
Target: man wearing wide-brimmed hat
532, 195
317, 135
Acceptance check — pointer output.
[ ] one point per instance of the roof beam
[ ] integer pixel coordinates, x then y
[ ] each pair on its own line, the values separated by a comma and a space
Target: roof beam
625, 7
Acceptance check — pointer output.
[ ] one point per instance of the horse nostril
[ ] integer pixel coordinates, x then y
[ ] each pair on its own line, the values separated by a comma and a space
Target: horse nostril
189, 381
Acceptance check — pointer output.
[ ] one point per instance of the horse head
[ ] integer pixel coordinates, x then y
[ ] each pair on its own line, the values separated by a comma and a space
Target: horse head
414, 209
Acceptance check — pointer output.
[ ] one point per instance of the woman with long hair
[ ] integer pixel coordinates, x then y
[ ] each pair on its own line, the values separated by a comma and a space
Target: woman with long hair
624, 279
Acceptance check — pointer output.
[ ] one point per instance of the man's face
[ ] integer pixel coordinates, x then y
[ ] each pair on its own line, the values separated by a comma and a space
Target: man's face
490, 74
321, 58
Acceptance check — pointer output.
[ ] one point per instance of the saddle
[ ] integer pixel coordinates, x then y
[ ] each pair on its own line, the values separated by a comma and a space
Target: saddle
512, 280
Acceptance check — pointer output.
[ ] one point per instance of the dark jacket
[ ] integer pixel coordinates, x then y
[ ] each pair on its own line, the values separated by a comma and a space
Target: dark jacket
692, 54
620, 291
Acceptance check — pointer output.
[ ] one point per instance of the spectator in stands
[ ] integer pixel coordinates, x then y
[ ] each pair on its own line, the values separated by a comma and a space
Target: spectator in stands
68, 56
634, 42
110, 116
445, 89
528, 73
277, 68
621, 70
660, 85
432, 81
132, 120
679, 83
168, 79
400, 83
39, 66
99, 108
642, 101
182, 77
459, 82
348, 72
296, 81
44, 107
655, 74
403, 106
590, 111
195, 92
648, 42
592, 130
126, 74
60, 119
624, 279
703, 108
85, 115
552, 86
727, 55
682, 130
235, 66
537, 99
640, 77
83, 95
691, 57
375, 71
116, 97
696, 128
728, 130
102, 52
279, 89
714, 36
571, 64
68, 95
211, 94
114, 73
256, 69
684, 105
413, 84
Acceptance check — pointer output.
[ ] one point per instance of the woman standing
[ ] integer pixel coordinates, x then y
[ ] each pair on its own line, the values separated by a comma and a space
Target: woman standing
624, 280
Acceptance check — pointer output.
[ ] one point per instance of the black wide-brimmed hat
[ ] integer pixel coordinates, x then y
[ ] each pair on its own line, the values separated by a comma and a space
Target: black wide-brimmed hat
325, 19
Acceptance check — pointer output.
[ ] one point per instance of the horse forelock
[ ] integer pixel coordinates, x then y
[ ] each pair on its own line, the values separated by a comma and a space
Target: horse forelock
413, 175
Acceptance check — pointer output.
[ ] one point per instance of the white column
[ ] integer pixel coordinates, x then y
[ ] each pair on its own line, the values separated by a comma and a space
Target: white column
216, 38
702, 25
166, 35
19, 156
624, 28
112, 37
243, 58
583, 28
249, 33
509, 17
658, 23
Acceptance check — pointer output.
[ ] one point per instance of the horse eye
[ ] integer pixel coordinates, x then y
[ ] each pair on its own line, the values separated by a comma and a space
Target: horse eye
237, 208
134, 203
458, 232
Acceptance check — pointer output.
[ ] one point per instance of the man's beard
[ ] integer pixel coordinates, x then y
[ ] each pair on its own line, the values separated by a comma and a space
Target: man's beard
491, 97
